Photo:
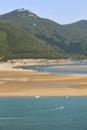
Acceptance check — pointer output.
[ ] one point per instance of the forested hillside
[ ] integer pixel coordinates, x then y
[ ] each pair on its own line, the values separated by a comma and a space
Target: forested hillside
62, 41
18, 43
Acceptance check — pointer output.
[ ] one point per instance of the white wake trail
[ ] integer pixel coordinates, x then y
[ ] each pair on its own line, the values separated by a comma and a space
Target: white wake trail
54, 109
11, 118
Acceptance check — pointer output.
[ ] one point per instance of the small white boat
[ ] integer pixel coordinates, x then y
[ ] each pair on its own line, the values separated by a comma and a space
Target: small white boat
37, 96
60, 107
66, 97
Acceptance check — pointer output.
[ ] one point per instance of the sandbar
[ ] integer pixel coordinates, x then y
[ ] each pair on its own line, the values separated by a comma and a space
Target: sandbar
70, 67
22, 83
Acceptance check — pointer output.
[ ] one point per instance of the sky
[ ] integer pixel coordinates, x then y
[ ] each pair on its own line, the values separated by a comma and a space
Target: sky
60, 11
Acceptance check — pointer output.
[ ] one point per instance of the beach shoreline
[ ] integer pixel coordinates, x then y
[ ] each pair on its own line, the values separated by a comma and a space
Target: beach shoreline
27, 83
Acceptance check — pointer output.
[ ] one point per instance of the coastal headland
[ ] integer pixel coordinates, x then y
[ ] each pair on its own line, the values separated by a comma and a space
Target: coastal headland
18, 82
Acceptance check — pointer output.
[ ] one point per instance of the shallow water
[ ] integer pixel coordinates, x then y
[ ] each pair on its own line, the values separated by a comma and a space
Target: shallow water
59, 70
48, 85
44, 113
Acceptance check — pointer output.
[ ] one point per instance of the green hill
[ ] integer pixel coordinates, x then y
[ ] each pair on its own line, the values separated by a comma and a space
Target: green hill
66, 40
18, 43
42, 28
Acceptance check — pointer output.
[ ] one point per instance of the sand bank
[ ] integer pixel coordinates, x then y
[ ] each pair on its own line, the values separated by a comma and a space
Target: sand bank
14, 82
70, 67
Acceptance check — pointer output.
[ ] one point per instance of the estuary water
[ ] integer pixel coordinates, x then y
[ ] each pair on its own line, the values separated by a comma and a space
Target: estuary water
44, 113
52, 69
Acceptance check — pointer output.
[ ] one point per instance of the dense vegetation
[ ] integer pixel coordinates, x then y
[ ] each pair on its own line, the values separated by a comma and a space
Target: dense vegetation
53, 40
18, 43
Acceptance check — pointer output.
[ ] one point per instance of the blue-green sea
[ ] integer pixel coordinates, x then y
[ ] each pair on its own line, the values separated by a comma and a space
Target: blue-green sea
44, 113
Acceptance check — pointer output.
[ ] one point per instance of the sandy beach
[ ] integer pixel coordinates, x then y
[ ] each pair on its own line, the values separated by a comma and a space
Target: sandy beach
17, 82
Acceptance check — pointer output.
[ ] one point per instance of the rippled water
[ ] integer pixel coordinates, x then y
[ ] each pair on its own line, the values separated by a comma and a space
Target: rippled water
44, 113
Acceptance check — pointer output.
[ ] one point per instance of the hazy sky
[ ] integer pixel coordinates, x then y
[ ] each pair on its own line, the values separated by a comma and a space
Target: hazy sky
61, 11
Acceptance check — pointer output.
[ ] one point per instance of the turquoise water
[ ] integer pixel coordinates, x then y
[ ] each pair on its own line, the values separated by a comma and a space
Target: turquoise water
52, 69
45, 113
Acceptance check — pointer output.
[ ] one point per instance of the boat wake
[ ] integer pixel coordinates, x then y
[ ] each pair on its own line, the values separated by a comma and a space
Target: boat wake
10, 118
54, 109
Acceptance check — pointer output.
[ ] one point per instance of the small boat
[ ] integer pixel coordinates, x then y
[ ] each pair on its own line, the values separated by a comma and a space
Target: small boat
60, 107
37, 96
66, 97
